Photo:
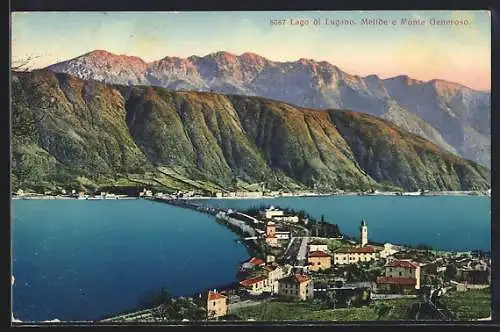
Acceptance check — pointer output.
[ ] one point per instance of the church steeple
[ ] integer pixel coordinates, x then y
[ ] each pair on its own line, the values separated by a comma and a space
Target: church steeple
363, 233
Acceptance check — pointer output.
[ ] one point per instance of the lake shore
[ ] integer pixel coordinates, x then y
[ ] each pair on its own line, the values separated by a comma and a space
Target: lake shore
286, 195
47, 197
402, 194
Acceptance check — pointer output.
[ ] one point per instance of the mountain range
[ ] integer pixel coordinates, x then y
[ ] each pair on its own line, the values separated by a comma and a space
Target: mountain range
67, 131
452, 116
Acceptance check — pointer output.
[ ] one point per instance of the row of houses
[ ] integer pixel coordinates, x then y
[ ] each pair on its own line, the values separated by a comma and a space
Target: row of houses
319, 257
250, 194
277, 280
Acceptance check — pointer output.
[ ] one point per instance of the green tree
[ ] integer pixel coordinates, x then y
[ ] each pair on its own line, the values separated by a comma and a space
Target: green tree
382, 309
451, 272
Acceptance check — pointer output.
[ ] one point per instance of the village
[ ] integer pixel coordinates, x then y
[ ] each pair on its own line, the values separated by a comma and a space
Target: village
72, 193
299, 260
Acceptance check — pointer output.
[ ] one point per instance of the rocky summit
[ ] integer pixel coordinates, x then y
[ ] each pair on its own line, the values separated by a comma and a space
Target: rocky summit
84, 133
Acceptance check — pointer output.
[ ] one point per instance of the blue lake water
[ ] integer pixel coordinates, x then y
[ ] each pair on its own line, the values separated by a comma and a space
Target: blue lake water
82, 260
446, 222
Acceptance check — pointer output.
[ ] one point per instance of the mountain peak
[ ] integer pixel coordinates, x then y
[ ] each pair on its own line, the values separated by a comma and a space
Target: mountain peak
444, 86
222, 55
107, 54
252, 57
99, 53
406, 79
306, 61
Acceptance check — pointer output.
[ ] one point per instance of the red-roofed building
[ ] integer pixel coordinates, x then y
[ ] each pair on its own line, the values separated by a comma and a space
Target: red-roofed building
255, 286
256, 261
319, 260
345, 256
296, 287
216, 304
403, 264
253, 263
401, 276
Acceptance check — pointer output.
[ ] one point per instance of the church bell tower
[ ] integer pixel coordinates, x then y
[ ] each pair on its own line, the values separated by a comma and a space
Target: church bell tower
363, 233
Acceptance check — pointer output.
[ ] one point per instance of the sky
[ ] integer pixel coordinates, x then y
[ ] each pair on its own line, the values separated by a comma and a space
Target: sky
457, 53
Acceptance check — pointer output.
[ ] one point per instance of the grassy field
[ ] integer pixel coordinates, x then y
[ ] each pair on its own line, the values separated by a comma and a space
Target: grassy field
472, 304
307, 311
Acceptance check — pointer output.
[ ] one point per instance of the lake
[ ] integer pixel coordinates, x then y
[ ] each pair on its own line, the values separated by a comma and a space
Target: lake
82, 260
446, 222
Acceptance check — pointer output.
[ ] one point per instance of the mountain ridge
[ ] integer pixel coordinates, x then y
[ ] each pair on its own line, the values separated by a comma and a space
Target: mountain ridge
449, 114
99, 134
252, 55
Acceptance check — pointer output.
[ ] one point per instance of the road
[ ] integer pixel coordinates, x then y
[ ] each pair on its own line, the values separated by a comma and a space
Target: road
302, 253
245, 303
375, 296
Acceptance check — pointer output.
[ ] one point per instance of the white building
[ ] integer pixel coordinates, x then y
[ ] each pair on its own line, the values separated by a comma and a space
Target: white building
282, 235
317, 247
271, 213
388, 250
290, 219
345, 256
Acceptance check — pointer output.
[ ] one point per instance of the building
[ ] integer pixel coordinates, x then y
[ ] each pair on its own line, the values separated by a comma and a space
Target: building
282, 235
290, 219
274, 274
216, 305
270, 229
474, 276
296, 287
270, 258
271, 238
271, 212
401, 276
363, 233
317, 246
253, 263
344, 256
256, 285
388, 250
319, 260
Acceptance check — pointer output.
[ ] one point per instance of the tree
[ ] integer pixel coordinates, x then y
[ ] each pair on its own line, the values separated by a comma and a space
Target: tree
332, 299
382, 309
451, 272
